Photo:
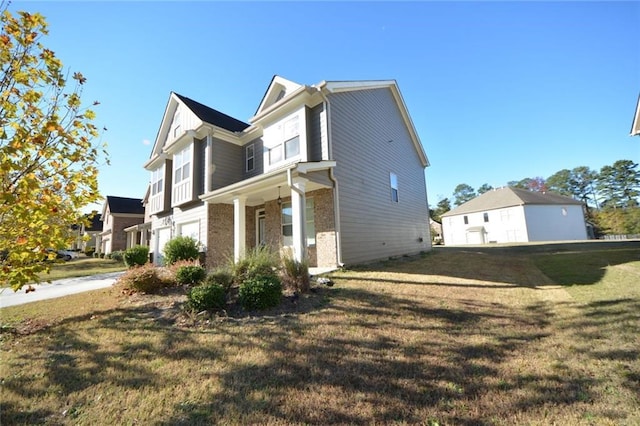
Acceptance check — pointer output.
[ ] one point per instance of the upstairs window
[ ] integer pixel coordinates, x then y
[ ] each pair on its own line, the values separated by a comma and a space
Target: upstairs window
393, 181
182, 165
157, 179
275, 154
176, 123
292, 148
250, 155
486, 217
466, 220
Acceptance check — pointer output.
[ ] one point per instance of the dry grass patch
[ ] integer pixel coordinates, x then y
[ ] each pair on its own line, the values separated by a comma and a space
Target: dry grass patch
450, 338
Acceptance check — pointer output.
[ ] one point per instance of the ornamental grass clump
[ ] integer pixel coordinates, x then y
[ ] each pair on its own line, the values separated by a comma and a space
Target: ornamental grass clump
258, 262
143, 279
295, 274
222, 277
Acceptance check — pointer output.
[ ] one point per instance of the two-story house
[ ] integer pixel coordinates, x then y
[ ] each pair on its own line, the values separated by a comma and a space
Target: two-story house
333, 171
118, 213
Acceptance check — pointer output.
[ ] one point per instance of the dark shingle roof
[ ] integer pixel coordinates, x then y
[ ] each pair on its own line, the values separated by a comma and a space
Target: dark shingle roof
95, 222
509, 197
212, 116
125, 205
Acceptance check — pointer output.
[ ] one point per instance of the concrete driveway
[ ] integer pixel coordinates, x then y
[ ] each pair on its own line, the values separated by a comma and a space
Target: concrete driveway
56, 288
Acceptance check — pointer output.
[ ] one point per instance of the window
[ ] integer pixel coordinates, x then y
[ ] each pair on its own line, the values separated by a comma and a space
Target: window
250, 152
311, 224
182, 165
287, 223
466, 220
157, 180
275, 154
486, 217
291, 128
176, 123
292, 147
393, 180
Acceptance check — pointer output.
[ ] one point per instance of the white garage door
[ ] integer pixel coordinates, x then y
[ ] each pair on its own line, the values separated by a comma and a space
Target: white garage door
191, 229
163, 235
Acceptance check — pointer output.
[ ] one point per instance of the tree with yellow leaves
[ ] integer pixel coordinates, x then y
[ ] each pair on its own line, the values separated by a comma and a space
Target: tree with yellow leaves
49, 154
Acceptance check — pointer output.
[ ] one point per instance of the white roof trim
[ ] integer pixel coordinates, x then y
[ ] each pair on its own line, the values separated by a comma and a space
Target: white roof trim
635, 126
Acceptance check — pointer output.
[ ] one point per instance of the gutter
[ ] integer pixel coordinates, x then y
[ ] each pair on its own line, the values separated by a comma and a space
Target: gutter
336, 198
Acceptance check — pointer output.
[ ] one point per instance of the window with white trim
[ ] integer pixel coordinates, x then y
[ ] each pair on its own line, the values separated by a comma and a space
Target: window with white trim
485, 216
275, 154
250, 155
292, 148
157, 180
176, 123
311, 223
393, 182
287, 223
182, 165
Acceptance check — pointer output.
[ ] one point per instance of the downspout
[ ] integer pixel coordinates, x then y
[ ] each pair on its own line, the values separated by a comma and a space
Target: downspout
336, 198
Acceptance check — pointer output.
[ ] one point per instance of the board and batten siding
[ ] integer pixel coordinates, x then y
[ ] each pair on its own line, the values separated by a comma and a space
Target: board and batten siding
258, 159
316, 134
227, 164
369, 141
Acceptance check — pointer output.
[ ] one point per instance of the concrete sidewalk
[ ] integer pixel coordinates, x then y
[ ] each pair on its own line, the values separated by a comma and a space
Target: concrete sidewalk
58, 288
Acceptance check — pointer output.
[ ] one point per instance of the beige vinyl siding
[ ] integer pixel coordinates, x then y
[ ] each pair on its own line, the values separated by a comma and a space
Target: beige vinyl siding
370, 141
227, 162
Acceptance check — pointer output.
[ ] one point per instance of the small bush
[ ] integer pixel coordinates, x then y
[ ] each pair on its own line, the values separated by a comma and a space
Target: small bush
295, 275
221, 277
261, 292
181, 248
117, 255
136, 256
96, 255
258, 262
206, 297
143, 279
89, 251
193, 274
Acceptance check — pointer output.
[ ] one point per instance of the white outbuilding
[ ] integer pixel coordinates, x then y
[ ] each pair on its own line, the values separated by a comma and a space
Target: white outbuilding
509, 214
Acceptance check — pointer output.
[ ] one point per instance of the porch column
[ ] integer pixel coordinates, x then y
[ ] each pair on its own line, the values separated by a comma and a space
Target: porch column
239, 227
298, 211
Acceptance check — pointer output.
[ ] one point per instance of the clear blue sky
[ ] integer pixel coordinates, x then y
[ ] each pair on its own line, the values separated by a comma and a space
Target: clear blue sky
498, 91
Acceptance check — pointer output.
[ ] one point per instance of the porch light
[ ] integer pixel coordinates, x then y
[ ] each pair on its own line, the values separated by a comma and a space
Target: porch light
279, 198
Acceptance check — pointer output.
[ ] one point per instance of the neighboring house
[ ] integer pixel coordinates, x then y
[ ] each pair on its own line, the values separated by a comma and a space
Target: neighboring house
436, 231
118, 213
509, 214
334, 172
88, 231
140, 233
635, 126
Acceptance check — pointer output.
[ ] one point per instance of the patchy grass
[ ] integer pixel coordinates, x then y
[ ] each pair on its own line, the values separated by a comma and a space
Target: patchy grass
454, 337
82, 267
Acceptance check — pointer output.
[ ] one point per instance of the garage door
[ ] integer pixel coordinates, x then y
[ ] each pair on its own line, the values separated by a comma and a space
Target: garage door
191, 229
163, 235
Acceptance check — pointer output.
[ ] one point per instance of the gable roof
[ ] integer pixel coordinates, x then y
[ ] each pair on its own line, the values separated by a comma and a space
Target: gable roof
278, 89
635, 126
95, 222
123, 205
212, 116
510, 197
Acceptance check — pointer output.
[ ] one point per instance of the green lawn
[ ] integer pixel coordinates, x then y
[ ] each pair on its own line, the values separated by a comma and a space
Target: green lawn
460, 337
82, 267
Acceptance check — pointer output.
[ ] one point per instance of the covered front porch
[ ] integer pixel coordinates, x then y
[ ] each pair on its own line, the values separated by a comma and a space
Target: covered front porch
287, 209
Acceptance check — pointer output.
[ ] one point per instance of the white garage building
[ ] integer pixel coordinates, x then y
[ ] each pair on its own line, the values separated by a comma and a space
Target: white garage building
509, 214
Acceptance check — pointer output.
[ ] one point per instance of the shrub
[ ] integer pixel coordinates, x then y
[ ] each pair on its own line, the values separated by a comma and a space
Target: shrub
258, 262
89, 251
192, 274
143, 279
221, 277
116, 255
181, 248
136, 256
206, 297
295, 275
260, 292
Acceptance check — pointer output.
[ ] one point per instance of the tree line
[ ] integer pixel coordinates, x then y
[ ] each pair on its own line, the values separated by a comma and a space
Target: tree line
610, 195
